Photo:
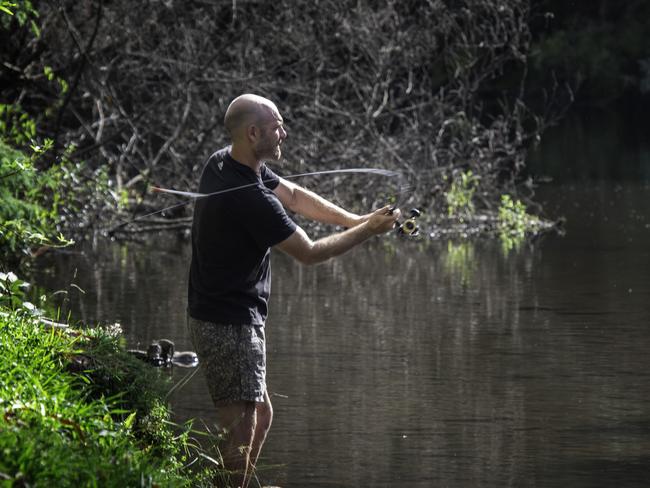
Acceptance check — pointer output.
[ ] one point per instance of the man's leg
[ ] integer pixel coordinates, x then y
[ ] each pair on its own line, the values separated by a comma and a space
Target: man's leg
238, 419
234, 361
249, 424
264, 417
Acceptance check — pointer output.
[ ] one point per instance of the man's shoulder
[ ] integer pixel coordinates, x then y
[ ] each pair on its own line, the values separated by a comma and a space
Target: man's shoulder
215, 170
223, 152
219, 156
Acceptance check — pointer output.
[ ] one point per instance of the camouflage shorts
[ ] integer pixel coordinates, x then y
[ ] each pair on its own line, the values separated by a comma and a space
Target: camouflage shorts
233, 359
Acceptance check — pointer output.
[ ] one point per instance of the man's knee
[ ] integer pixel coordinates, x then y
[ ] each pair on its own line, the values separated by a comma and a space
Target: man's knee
238, 416
264, 415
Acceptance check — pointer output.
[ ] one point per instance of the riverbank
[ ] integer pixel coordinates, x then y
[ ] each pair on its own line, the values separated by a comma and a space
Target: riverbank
76, 409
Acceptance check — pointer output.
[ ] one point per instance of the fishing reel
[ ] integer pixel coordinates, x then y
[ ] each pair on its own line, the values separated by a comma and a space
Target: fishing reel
162, 353
410, 226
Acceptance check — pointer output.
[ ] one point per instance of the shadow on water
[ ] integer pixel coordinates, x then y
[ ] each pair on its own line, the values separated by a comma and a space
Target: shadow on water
447, 364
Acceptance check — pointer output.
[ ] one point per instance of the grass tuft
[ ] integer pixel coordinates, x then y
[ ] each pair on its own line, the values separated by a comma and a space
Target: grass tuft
81, 411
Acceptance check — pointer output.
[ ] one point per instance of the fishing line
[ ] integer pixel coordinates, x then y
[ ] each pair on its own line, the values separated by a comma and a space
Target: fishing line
182, 382
191, 196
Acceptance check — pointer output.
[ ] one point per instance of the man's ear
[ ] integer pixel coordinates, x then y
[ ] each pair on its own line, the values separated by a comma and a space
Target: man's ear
252, 133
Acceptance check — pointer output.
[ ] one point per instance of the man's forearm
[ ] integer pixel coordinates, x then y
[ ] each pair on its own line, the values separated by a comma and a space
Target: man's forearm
339, 243
315, 207
301, 247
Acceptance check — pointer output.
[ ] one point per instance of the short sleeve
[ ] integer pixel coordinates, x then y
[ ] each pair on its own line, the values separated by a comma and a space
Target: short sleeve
265, 219
269, 178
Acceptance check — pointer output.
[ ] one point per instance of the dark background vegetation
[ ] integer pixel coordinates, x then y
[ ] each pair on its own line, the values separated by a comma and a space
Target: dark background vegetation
600, 47
434, 89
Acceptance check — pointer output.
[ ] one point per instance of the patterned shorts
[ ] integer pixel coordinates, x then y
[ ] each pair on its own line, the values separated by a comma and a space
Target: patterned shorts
233, 359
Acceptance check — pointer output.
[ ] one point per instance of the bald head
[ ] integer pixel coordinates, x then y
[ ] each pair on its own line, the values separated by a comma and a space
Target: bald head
246, 110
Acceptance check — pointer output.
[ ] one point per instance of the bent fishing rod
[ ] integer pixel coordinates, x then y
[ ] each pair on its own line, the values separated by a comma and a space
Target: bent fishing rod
193, 195
410, 228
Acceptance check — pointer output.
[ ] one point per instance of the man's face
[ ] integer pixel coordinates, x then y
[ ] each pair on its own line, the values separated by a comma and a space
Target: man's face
272, 135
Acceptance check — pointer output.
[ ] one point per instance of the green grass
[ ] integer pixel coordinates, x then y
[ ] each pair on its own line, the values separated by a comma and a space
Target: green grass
81, 412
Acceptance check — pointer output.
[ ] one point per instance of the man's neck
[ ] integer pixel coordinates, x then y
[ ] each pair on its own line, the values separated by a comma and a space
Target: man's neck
246, 157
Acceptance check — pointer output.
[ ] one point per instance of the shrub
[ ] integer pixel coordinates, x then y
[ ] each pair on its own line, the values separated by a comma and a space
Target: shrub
63, 428
30, 202
514, 222
460, 196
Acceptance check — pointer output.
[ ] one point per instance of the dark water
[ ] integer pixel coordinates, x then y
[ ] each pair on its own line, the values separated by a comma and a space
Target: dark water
449, 364
442, 364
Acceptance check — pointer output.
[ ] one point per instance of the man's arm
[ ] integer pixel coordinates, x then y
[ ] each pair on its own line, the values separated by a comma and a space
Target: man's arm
314, 207
301, 247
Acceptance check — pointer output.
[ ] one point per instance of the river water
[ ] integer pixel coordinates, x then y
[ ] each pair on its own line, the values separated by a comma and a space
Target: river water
431, 364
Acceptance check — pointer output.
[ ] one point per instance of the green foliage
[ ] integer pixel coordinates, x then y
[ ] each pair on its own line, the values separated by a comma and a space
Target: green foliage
13, 292
56, 430
30, 203
43, 195
51, 76
16, 126
461, 194
6, 7
514, 222
21, 10
119, 375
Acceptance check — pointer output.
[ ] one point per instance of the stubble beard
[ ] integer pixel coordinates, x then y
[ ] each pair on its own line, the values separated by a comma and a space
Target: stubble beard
267, 150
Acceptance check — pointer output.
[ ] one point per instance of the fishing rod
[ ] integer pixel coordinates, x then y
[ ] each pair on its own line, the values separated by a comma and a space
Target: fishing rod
191, 196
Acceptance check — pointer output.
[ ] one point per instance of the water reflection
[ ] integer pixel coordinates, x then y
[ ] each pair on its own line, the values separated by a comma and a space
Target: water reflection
459, 261
449, 364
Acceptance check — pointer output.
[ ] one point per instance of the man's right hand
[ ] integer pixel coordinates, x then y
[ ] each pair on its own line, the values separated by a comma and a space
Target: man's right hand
383, 220
301, 247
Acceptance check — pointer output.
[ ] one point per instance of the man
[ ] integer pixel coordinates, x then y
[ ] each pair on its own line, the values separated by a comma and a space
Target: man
230, 275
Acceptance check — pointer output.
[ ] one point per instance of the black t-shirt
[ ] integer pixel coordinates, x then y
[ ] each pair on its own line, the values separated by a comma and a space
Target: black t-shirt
232, 233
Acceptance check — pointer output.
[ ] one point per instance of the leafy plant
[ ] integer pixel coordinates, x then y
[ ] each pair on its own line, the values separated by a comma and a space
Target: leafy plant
58, 429
6, 6
16, 126
514, 222
461, 194
30, 203
21, 10
13, 294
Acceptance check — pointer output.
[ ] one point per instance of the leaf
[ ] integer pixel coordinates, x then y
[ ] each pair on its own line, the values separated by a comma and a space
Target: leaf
128, 422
